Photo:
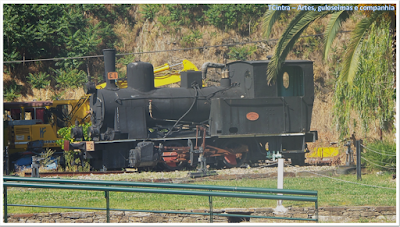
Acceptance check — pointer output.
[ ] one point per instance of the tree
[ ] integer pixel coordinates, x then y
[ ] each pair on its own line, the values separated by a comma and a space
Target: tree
371, 93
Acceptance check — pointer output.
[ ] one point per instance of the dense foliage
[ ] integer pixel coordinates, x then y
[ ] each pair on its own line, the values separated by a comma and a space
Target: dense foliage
46, 31
371, 96
42, 31
240, 17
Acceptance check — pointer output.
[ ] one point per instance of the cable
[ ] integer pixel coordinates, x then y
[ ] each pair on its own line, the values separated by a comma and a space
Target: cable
53, 59
384, 162
376, 164
345, 180
190, 108
208, 97
159, 51
376, 151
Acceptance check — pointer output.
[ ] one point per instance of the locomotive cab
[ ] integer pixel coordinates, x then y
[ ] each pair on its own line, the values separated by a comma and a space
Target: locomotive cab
278, 113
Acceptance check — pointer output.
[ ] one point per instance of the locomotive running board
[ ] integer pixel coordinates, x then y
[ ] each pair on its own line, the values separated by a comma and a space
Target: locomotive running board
147, 139
259, 135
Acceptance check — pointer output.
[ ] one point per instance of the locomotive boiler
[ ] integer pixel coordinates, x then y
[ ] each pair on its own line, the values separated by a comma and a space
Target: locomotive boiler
244, 119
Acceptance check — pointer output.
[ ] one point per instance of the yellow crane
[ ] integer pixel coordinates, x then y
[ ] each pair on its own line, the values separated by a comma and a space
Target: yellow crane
163, 75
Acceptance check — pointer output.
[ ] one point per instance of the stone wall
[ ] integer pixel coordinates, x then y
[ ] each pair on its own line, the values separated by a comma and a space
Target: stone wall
326, 214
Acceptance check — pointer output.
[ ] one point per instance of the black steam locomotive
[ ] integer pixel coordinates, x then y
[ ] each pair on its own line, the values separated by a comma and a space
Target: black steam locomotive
245, 119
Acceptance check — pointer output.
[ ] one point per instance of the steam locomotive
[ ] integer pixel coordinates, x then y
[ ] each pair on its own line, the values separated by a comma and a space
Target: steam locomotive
244, 119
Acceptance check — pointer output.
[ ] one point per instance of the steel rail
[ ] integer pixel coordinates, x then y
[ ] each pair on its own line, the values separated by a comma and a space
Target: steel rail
162, 191
163, 185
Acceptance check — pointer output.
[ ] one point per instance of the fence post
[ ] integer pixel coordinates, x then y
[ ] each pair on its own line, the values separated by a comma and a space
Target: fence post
211, 207
316, 209
280, 208
107, 195
5, 204
358, 167
7, 164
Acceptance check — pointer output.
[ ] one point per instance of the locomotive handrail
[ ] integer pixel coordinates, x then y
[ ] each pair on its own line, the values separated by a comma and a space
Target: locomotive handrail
203, 190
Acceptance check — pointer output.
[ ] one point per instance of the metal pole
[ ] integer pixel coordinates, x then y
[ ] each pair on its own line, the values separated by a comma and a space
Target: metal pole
316, 210
211, 208
107, 194
7, 164
358, 167
5, 204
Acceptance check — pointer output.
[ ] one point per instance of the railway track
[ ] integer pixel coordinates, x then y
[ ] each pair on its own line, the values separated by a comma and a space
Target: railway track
255, 171
73, 174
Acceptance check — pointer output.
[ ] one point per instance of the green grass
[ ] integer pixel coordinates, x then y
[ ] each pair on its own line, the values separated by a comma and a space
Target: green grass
330, 193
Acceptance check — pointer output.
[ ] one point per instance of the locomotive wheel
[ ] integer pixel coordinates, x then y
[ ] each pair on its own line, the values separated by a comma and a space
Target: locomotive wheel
171, 166
236, 159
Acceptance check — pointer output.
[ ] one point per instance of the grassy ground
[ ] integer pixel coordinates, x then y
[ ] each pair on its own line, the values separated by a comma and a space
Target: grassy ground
330, 193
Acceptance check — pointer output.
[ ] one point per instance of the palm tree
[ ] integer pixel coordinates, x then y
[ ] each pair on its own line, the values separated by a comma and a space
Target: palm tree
303, 19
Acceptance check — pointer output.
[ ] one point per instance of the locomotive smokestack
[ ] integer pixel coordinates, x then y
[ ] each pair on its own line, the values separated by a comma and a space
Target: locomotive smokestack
109, 67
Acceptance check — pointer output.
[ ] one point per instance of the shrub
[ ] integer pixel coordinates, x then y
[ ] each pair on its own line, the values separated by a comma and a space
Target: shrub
380, 155
10, 92
70, 78
191, 39
149, 11
241, 53
39, 80
234, 16
71, 159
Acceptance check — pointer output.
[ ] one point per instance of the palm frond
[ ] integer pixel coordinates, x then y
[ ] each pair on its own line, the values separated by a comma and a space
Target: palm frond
268, 21
350, 63
289, 38
333, 28
273, 66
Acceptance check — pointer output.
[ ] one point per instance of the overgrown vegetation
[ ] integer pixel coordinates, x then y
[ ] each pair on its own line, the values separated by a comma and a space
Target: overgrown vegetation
191, 39
39, 80
380, 155
73, 157
12, 91
40, 31
241, 52
371, 97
